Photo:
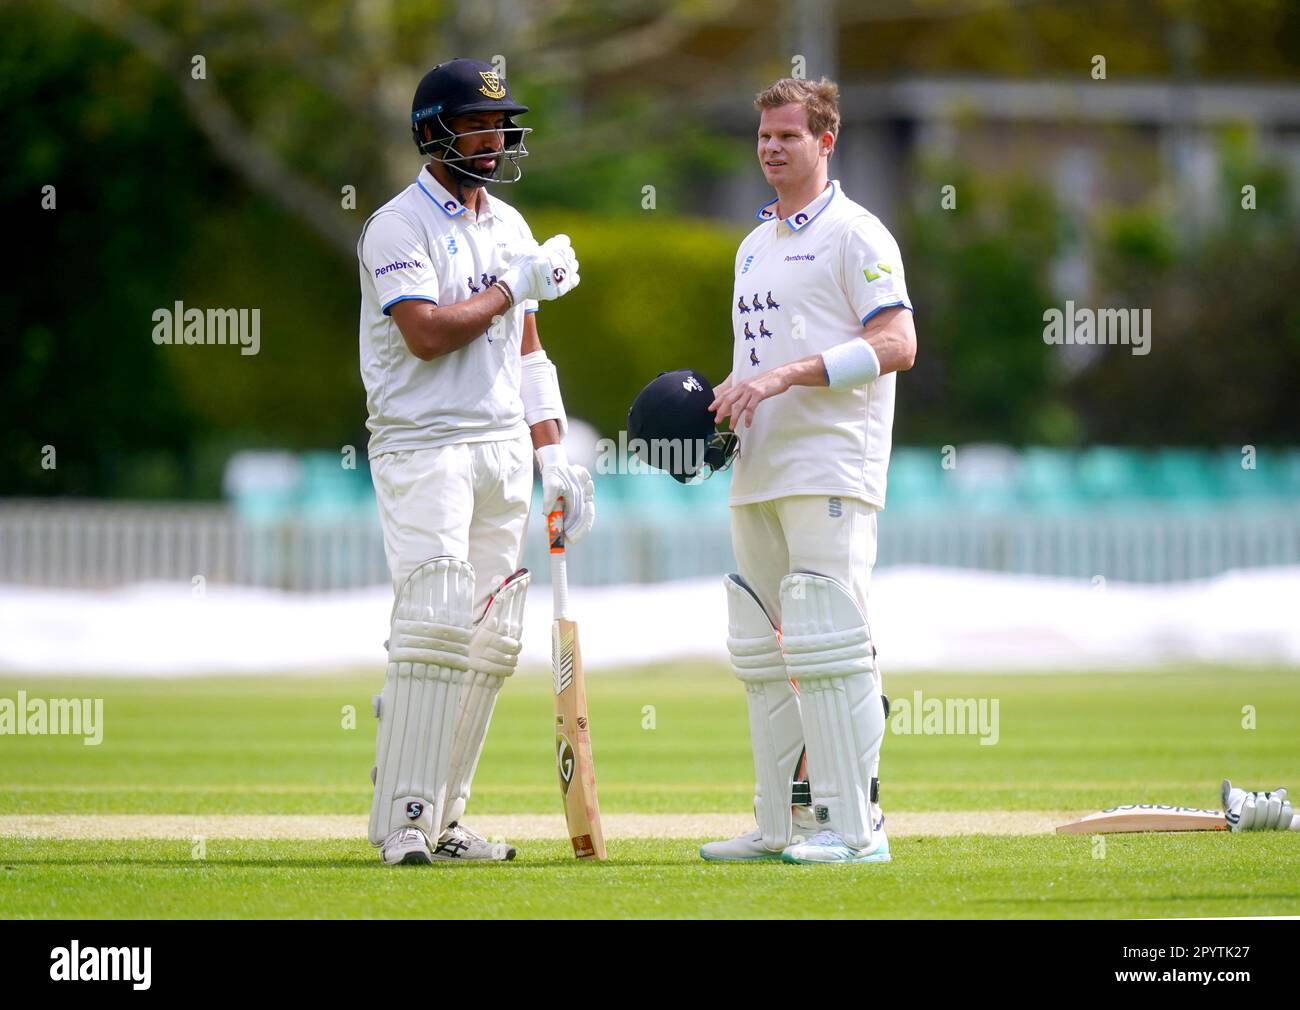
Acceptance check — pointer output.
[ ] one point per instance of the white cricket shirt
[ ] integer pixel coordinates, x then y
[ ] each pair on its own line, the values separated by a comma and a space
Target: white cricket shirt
425, 244
804, 285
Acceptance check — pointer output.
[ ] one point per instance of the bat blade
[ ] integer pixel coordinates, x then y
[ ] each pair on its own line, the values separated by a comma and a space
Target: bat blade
573, 758
1146, 817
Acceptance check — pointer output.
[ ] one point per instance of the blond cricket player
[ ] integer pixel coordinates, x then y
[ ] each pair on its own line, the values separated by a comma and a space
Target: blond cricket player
822, 322
460, 396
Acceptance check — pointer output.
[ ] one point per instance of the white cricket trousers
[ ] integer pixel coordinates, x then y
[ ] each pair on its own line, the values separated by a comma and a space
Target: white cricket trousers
829, 535
468, 501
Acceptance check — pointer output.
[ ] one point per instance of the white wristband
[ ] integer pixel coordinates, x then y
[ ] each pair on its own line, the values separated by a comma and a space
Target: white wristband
552, 455
851, 364
539, 388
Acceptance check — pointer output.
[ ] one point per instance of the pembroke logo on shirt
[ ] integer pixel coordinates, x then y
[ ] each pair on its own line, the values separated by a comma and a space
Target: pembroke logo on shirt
388, 268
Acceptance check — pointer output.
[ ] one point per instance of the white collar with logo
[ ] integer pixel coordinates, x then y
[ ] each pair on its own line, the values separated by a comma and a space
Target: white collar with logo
448, 204
801, 219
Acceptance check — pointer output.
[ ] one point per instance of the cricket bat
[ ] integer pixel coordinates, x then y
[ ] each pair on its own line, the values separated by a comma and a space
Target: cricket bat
572, 733
1151, 817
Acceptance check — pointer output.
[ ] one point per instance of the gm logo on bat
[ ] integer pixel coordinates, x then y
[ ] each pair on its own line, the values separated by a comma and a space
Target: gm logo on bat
564, 761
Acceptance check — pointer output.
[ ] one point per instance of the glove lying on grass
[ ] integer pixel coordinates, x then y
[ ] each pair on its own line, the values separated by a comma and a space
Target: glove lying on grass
1263, 811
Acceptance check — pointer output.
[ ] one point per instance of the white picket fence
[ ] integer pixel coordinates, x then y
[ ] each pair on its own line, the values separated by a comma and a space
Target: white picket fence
57, 543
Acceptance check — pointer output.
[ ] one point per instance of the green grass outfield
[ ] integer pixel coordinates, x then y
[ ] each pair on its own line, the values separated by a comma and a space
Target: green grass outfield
668, 741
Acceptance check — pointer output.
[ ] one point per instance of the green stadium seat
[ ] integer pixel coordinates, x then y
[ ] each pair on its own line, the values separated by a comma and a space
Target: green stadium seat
326, 490
1183, 478
916, 481
1112, 476
985, 479
1288, 474
1047, 480
1265, 483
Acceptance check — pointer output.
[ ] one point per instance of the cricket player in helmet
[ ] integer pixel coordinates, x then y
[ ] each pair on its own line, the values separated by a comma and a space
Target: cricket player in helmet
822, 322
460, 396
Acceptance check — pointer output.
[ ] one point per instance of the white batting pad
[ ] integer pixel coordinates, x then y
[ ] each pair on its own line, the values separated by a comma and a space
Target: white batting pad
428, 662
774, 729
493, 655
828, 652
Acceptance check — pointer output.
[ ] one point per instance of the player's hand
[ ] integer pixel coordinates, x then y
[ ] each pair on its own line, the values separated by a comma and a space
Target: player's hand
544, 272
560, 478
741, 398
1262, 811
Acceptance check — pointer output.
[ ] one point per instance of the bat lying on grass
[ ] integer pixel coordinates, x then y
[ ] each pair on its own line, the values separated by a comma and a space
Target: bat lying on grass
1159, 817
1146, 817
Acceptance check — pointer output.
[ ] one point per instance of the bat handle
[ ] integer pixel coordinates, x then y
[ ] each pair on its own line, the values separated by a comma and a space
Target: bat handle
559, 567
560, 586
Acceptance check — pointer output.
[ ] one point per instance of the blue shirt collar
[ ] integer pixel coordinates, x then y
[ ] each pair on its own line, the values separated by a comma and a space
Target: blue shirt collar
803, 218
447, 203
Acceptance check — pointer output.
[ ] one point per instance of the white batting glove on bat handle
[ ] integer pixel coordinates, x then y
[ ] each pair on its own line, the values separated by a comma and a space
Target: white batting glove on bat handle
544, 272
1260, 811
560, 478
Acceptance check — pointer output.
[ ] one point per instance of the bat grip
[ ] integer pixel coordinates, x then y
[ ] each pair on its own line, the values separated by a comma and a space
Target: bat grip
559, 567
560, 586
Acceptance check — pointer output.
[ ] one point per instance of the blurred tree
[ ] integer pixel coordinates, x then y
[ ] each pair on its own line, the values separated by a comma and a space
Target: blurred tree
78, 370
227, 190
301, 99
1224, 366
265, 97
214, 191
978, 276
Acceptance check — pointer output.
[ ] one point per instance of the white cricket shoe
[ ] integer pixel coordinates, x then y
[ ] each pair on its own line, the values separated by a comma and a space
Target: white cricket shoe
406, 845
828, 847
750, 847
742, 849
459, 844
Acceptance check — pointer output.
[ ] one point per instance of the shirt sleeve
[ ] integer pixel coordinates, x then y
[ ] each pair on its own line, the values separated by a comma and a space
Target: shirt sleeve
872, 270
398, 262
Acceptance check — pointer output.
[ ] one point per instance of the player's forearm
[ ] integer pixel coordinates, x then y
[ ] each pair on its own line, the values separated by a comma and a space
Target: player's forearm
436, 330
887, 345
545, 433
807, 371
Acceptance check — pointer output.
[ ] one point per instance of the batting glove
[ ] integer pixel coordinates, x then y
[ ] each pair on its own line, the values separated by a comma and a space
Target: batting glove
560, 478
1263, 811
544, 272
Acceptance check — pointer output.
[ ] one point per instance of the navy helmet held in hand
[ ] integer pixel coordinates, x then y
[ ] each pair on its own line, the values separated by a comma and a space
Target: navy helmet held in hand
670, 426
